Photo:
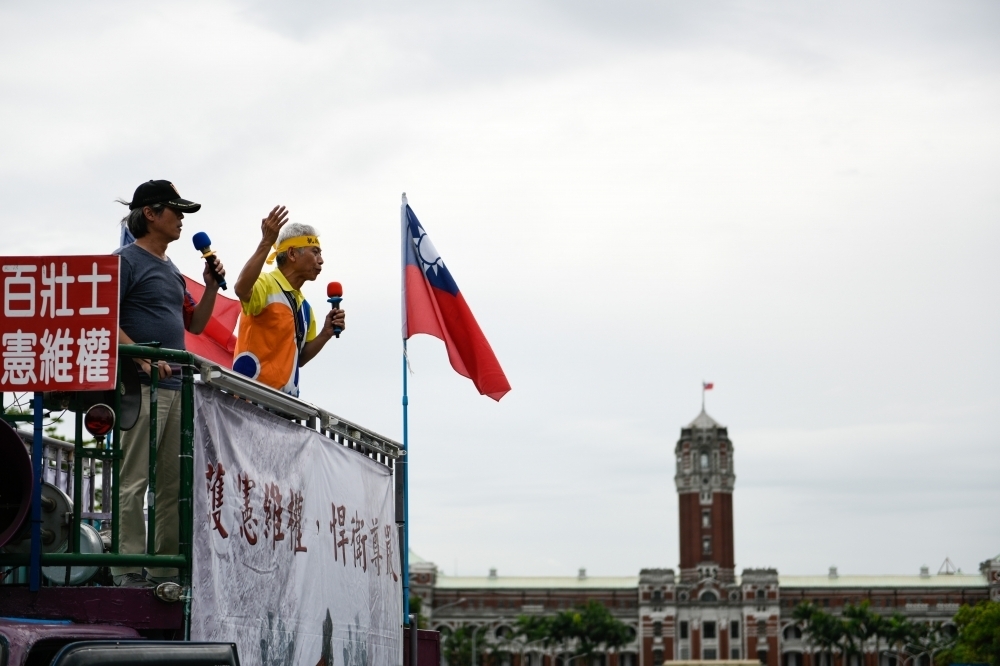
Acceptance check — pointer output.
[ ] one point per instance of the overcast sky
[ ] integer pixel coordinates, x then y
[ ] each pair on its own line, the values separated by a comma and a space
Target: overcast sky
797, 201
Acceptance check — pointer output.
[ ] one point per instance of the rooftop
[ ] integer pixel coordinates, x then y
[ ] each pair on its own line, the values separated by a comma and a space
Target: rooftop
632, 582
538, 582
850, 581
703, 421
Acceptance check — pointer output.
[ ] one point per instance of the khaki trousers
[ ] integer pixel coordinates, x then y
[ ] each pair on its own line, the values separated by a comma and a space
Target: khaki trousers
134, 482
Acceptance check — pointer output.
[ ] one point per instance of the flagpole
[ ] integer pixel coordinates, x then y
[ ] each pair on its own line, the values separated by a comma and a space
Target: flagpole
404, 460
402, 464
703, 395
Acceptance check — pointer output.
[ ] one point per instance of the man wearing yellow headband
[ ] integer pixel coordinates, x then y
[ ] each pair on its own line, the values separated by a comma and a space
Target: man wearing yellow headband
277, 332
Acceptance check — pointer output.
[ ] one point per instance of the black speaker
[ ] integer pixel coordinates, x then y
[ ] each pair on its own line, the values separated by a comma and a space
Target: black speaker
15, 483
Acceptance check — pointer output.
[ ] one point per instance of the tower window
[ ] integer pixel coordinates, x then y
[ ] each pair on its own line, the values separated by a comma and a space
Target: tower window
657, 628
704, 460
708, 630
706, 518
734, 630
706, 545
684, 629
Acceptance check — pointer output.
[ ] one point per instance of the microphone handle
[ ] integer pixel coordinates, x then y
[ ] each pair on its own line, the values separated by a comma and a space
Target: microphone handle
335, 305
211, 267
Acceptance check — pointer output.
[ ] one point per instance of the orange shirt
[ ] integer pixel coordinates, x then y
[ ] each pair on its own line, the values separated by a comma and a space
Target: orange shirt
265, 344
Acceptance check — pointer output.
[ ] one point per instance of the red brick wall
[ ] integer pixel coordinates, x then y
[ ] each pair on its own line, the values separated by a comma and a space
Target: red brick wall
722, 530
690, 526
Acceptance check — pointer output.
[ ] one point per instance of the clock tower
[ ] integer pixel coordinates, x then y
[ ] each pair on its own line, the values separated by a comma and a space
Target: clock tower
705, 480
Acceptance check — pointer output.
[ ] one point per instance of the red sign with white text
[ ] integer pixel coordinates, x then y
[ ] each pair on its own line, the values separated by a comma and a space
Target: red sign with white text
59, 330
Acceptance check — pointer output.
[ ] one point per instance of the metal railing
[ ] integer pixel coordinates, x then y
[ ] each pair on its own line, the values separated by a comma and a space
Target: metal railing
72, 467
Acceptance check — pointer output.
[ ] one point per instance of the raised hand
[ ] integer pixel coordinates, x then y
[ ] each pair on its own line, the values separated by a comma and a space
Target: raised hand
271, 225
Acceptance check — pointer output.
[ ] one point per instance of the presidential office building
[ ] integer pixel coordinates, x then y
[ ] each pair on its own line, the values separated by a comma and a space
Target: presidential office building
703, 610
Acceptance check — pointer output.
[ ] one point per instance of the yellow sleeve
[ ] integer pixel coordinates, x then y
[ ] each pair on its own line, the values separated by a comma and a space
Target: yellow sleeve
258, 297
311, 333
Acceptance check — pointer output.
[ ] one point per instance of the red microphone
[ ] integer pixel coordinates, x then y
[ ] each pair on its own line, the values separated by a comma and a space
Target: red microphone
335, 294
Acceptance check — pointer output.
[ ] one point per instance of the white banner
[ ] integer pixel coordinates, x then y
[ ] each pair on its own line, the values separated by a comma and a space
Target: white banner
296, 556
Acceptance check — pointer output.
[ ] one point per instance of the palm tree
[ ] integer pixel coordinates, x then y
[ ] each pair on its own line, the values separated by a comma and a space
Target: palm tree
899, 632
865, 625
826, 632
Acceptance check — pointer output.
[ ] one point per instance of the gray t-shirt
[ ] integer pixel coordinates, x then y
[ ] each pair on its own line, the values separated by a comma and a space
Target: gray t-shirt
153, 295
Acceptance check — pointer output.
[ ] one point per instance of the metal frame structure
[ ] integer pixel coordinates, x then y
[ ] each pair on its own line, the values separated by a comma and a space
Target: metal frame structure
366, 442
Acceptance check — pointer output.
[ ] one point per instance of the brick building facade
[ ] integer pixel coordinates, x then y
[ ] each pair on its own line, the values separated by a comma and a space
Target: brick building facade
704, 611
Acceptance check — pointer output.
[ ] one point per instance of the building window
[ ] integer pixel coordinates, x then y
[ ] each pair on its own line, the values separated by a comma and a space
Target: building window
708, 631
685, 653
657, 596
761, 628
657, 628
706, 518
792, 659
706, 545
709, 597
684, 630
704, 460
709, 654
734, 653
762, 656
734, 629
792, 632
658, 657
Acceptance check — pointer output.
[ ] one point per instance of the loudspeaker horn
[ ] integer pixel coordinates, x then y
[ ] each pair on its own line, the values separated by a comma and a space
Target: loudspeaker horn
15, 483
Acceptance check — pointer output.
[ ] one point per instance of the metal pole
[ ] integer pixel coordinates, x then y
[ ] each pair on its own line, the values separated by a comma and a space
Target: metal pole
405, 547
78, 477
153, 425
35, 568
186, 499
413, 641
472, 659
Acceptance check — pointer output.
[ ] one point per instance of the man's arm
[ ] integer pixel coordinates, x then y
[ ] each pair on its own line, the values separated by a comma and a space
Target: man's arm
334, 318
269, 228
143, 363
203, 310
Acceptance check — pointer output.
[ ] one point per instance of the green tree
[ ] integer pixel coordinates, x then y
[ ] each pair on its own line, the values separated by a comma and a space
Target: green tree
584, 630
899, 632
827, 632
864, 624
929, 639
416, 608
978, 638
457, 645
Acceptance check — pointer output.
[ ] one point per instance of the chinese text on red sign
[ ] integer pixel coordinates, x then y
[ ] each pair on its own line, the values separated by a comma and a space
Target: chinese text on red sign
59, 329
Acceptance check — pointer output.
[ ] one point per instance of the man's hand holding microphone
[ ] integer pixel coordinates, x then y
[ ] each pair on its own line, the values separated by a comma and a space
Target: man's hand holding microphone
214, 273
334, 324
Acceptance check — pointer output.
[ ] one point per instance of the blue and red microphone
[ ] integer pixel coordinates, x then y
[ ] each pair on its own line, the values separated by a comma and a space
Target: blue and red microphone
334, 295
203, 244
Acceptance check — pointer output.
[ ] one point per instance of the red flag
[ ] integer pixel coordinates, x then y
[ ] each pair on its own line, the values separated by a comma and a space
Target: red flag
432, 304
707, 386
218, 341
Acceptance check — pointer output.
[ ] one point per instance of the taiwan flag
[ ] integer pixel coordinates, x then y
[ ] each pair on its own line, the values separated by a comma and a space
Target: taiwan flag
432, 304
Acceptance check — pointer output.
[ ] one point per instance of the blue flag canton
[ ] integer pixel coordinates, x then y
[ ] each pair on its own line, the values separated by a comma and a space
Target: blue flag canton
421, 252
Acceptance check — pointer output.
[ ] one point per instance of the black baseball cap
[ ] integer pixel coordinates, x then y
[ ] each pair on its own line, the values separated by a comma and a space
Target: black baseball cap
161, 192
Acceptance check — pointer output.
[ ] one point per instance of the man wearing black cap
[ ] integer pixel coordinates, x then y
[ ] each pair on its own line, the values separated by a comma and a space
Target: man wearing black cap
155, 306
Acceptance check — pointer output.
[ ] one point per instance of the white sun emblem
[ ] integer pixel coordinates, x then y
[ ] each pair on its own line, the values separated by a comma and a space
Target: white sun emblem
427, 253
